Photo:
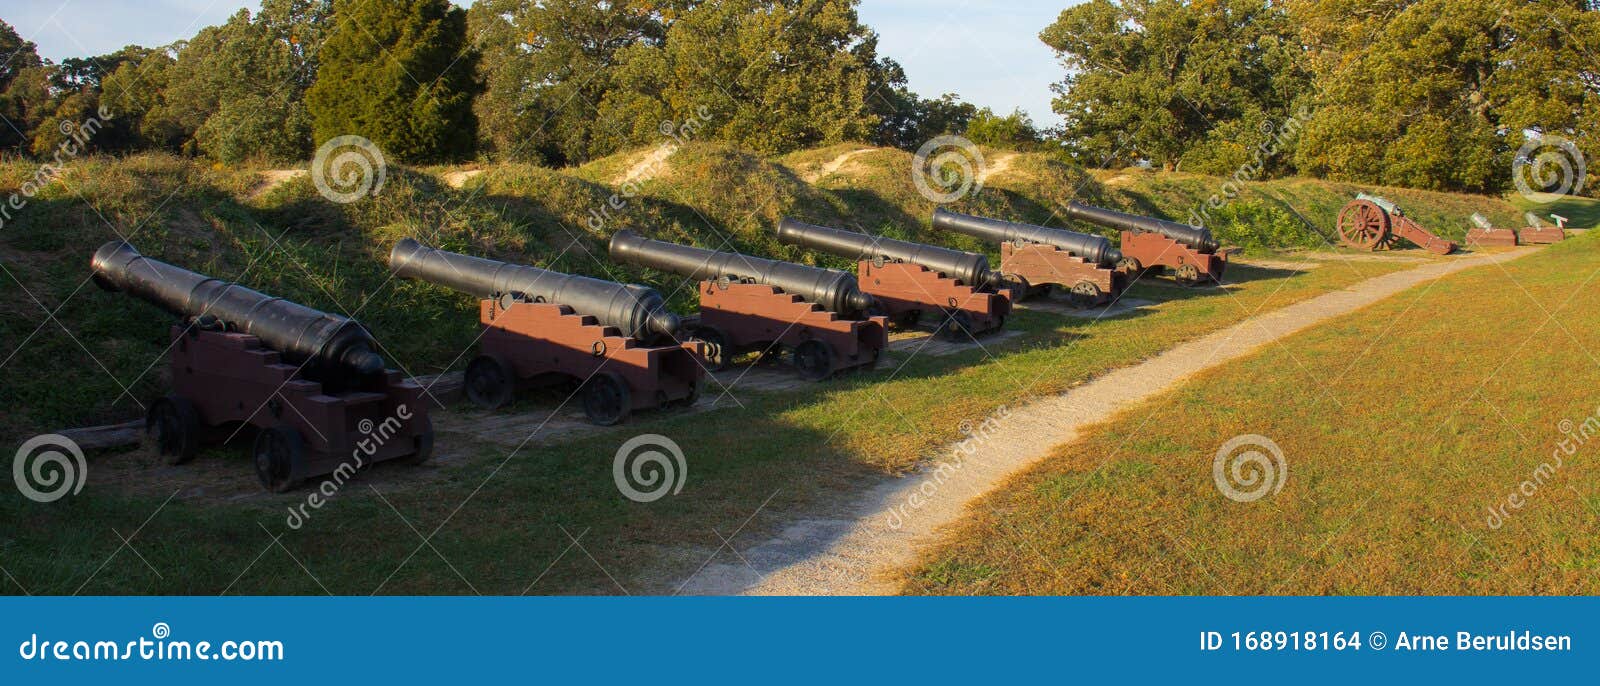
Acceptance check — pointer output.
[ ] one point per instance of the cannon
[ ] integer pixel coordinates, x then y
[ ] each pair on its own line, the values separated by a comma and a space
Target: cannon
1372, 223
750, 304
1034, 258
309, 382
1536, 233
1190, 252
1484, 234
542, 327
909, 279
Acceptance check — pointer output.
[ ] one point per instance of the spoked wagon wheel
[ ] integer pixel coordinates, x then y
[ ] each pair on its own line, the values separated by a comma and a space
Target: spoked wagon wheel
719, 353
1084, 295
1364, 225
606, 399
956, 327
1187, 275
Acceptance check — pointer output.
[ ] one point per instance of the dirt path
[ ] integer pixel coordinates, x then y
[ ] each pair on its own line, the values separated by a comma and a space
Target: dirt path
881, 529
648, 164
1000, 165
457, 179
833, 166
272, 178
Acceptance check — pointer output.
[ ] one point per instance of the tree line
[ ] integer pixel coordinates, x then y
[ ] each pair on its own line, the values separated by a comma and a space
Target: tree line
1423, 93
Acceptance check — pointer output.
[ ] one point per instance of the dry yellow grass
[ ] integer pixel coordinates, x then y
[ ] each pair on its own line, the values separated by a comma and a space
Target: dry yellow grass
1406, 428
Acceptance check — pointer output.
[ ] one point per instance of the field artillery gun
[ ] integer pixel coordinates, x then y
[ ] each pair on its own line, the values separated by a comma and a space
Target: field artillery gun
909, 280
540, 327
309, 382
1034, 258
752, 304
1190, 252
1370, 223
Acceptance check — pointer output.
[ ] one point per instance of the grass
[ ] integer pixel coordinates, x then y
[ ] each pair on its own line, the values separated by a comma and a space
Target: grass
814, 444
1407, 427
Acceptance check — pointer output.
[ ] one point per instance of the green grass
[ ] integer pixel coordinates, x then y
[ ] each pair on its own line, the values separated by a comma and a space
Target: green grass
289, 242
1404, 426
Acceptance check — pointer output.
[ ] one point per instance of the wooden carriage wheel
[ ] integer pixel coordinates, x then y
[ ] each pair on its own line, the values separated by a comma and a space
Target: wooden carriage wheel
1363, 224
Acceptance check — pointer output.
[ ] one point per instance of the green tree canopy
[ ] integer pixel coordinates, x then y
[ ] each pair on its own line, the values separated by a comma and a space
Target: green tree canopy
401, 74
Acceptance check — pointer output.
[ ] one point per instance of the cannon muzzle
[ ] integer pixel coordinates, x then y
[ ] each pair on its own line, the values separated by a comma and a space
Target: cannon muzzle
301, 334
834, 290
637, 311
1095, 249
969, 268
1193, 236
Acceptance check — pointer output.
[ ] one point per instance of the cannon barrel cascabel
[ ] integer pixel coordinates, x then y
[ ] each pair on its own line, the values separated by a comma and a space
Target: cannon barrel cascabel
1193, 236
1095, 249
636, 311
834, 290
969, 268
297, 332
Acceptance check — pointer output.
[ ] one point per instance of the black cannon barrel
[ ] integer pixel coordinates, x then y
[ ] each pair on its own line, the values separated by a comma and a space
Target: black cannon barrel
637, 311
1092, 248
970, 268
1193, 236
834, 290
298, 332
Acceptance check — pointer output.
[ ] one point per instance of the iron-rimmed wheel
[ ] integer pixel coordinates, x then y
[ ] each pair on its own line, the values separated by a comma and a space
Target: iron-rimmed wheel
1085, 294
423, 442
606, 399
278, 452
956, 327
1130, 266
172, 429
1363, 224
1187, 274
814, 360
1017, 287
490, 382
718, 352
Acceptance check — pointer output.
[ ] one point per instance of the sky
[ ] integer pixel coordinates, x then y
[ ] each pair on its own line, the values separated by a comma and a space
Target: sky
988, 51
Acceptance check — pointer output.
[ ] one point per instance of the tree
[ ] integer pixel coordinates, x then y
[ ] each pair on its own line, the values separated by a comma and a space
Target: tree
771, 75
401, 74
906, 120
548, 64
1014, 131
1437, 94
1153, 79
20, 56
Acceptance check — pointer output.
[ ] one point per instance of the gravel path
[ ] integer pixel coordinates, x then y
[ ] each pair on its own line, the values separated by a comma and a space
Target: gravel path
880, 529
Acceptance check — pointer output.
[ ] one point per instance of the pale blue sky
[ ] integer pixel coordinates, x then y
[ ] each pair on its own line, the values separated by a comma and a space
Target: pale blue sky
987, 51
